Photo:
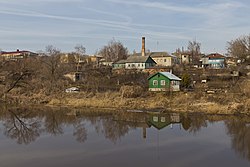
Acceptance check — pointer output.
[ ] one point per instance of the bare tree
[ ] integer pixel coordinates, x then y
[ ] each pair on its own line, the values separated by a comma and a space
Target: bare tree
52, 61
80, 51
240, 47
194, 49
114, 51
16, 74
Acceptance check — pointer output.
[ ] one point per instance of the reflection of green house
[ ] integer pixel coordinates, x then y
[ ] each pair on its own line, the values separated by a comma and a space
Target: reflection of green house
159, 121
164, 81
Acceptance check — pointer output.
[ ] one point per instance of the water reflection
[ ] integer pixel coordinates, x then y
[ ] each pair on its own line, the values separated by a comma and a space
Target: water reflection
27, 125
23, 127
239, 130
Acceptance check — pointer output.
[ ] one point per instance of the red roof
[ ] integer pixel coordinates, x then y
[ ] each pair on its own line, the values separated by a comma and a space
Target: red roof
23, 51
215, 56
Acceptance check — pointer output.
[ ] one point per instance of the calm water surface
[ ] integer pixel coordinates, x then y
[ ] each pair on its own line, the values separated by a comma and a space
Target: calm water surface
45, 137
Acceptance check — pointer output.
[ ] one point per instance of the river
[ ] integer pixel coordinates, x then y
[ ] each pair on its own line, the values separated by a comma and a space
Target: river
61, 137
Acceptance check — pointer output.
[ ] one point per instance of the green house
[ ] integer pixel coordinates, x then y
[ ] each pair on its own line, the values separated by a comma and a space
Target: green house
164, 81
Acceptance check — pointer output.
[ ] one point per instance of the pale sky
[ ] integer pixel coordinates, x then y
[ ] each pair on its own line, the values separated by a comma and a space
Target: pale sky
166, 24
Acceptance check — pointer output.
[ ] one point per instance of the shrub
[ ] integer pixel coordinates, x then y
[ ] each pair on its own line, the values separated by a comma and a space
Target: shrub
131, 91
185, 80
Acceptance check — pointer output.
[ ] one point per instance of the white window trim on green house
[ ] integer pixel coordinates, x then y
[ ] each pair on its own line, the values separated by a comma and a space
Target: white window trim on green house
155, 82
163, 82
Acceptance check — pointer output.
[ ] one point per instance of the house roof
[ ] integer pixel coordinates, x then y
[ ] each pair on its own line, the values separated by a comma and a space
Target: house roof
139, 54
16, 52
160, 54
168, 75
215, 56
121, 62
154, 54
136, 59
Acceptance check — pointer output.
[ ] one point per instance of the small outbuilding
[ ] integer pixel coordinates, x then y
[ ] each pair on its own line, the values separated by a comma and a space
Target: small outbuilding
164, 81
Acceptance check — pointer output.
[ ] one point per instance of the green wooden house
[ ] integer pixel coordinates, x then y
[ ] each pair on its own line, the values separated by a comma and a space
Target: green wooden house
164, 81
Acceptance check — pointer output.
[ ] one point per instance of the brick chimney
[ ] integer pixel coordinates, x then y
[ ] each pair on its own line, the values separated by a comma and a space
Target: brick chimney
143, 52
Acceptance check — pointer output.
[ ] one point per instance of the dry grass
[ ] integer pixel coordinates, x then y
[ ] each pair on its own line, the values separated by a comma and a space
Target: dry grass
178, 102
245, 87
112, 100
218, 103
131, 91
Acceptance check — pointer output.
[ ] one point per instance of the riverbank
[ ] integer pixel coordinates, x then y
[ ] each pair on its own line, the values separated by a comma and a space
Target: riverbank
181, 102
229, 101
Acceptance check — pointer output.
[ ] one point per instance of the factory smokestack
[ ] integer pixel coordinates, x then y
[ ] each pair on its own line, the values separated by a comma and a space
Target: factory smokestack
143, 52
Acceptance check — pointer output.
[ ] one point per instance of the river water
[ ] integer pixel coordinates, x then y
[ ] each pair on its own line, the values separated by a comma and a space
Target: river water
77, 138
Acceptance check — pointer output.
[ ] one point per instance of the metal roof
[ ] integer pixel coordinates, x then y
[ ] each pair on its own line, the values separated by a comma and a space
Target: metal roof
159, 54
137, 59
121, 62
168, 75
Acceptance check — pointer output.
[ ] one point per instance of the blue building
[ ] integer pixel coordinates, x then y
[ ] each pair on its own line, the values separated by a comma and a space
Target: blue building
214, 60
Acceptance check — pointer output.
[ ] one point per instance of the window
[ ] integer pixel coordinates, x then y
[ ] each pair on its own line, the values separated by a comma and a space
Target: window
174, 82
163, 119
165, 60
163, 82
155, 82
155, 119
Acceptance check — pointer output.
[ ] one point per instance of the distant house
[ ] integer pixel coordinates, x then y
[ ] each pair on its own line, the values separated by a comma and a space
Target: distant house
94, 59
163, 58
135, 62
73, 58
183, 57
104, 62
164, 81
139, 62
74, 76
214, 60
231, 61
119, 64
16, 55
